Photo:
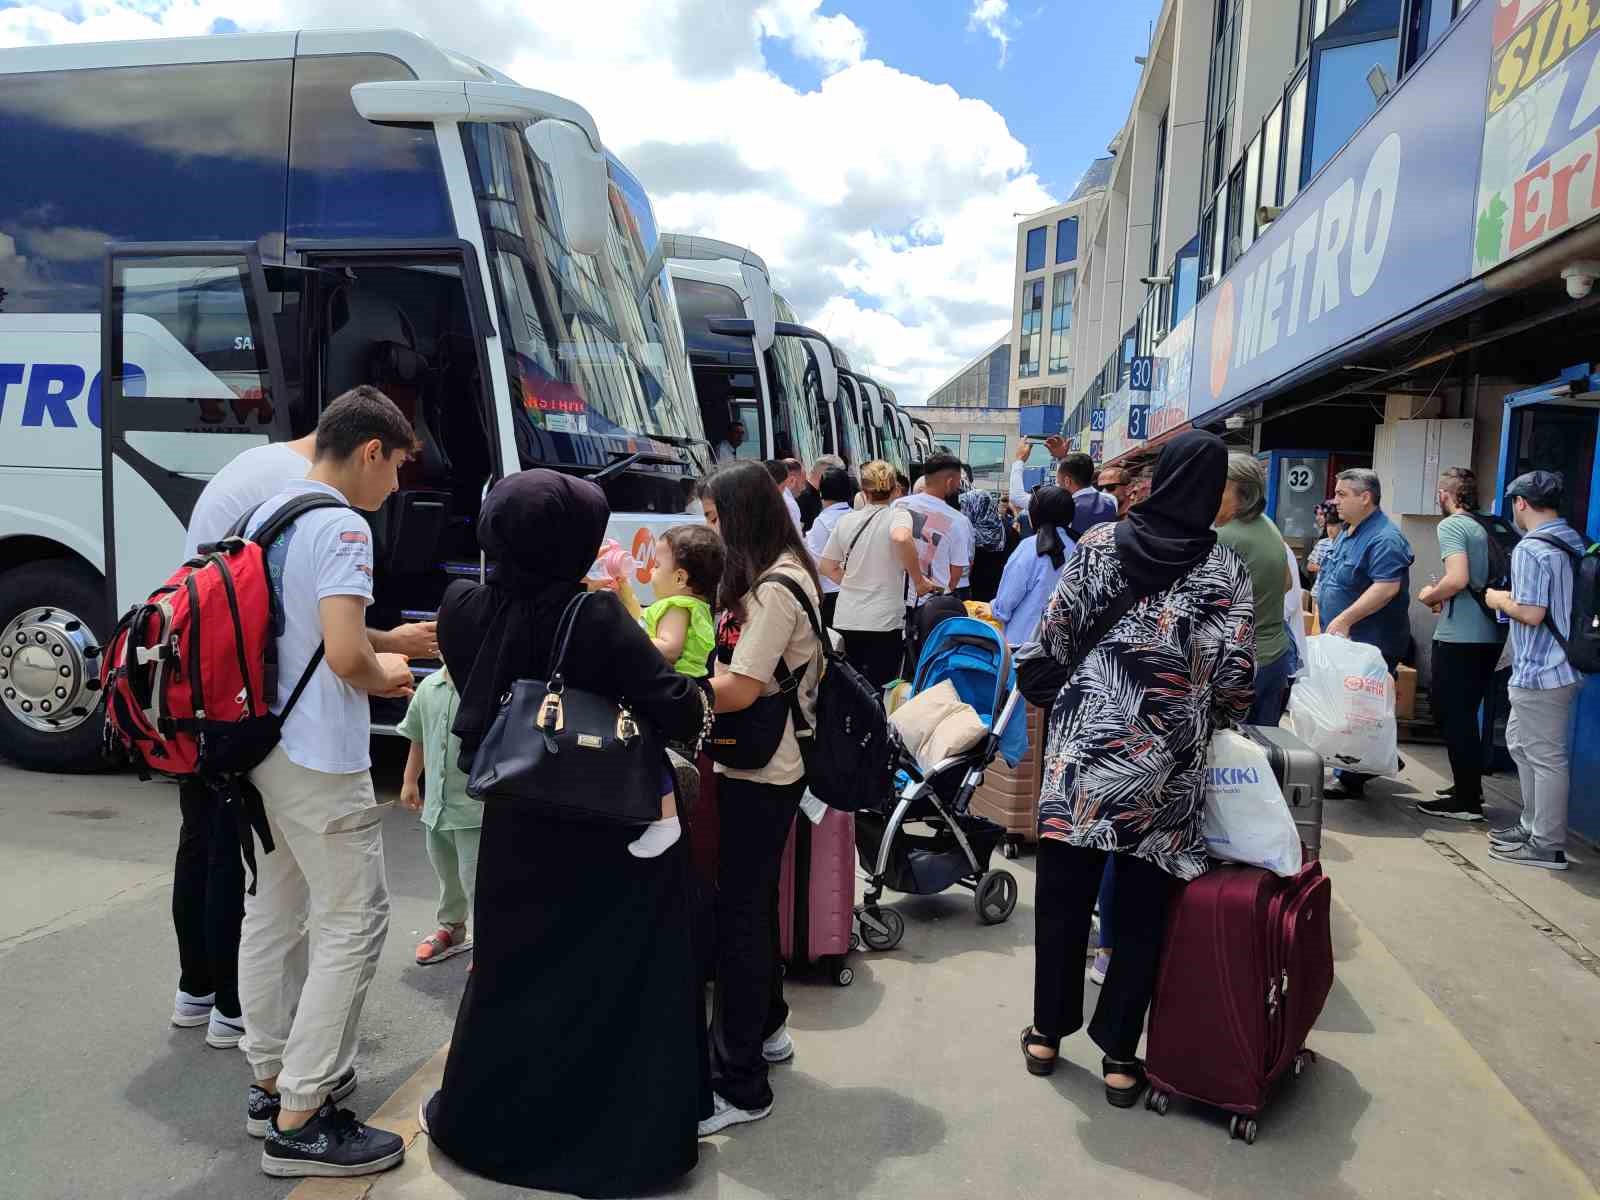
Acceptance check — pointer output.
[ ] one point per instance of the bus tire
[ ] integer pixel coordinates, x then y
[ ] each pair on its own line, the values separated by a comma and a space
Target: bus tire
55, 607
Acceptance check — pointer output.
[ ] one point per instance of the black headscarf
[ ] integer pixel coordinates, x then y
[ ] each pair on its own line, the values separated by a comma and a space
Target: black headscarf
1050, 510
541, 531
1168, 534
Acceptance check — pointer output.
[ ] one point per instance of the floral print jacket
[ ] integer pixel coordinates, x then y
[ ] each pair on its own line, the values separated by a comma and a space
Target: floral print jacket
1128, 740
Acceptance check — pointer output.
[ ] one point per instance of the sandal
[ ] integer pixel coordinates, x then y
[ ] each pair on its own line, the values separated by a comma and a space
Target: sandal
442, 944
1037, 1065
1124, 1097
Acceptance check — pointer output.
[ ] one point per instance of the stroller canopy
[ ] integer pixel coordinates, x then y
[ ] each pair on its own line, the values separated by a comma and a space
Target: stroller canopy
973, 656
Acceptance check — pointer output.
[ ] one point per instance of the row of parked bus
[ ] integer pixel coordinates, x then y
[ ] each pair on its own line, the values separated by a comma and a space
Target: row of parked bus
202, 241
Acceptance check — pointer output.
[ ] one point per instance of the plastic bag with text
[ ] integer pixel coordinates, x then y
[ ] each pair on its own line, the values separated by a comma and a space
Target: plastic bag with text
1343, 706
1246, 819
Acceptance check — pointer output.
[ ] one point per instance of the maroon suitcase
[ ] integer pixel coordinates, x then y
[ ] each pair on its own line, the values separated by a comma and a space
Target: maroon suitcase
1246, 967
704, 826
817, 894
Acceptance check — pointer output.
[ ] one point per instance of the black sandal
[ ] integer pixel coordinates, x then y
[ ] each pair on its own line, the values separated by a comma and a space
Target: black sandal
1124, 1097
1037, 1065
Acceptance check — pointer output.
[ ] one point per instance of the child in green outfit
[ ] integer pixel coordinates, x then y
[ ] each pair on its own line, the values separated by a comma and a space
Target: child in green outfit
451, 819
687, 574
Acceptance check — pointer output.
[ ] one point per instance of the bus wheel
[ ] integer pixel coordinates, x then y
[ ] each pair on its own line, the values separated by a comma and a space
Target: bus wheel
50, 666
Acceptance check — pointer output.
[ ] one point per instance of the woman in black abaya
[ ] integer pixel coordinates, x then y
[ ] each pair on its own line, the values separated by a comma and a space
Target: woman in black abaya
579, 1059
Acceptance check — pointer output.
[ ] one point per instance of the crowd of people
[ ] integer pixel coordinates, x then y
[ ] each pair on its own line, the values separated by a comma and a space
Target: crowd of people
1168, 594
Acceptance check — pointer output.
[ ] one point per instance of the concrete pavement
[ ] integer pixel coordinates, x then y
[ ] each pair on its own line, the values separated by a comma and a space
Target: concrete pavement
1458, 1050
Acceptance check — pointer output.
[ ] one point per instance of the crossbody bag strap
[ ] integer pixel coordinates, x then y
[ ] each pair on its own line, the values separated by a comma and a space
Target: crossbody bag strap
789, 681
860, 533
1103, 624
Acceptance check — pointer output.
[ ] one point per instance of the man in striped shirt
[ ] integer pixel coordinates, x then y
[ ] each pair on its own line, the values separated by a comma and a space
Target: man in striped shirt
1543, 683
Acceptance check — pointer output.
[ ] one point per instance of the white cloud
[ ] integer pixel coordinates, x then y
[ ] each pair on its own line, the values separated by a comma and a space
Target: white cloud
991, 17
881, 200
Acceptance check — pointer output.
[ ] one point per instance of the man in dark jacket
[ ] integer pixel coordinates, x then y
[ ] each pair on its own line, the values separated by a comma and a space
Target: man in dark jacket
1075, 472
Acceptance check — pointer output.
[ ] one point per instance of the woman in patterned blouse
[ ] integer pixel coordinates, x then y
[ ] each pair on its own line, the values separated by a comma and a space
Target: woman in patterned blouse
1126, 752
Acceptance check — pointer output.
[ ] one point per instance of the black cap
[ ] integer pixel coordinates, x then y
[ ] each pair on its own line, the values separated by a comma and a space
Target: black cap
1542, 489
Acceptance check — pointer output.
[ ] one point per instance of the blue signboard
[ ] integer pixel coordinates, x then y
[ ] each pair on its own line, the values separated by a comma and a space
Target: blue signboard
1387, 226
1141, 373
1138, 422
1097, 420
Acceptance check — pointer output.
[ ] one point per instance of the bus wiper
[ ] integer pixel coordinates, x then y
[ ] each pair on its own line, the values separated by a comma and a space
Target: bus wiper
638, 456
676, 439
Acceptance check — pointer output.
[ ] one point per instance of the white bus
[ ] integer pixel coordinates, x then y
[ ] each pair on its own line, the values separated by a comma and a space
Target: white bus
203, 241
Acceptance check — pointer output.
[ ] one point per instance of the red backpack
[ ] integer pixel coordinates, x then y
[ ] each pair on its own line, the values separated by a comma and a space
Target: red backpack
190, 675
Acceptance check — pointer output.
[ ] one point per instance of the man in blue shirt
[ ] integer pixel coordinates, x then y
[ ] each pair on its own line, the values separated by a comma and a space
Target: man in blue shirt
1543, 683
1365, 584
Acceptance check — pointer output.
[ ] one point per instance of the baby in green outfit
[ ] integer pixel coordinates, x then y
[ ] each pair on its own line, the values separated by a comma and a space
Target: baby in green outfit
687, 573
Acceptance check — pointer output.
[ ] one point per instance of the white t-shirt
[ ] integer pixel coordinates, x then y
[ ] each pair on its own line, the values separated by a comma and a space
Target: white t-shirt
870, 599
252, 478
943, 536
327, 552
1294, 613
793, 506
817, 539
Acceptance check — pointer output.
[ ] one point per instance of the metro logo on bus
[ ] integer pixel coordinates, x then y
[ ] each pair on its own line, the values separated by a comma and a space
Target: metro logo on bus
48, 391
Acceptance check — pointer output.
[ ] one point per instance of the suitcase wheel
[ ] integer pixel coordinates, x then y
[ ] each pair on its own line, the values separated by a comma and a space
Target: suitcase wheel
855, 940
1304, 1059
1157, 1101
995, 897
843, 973
1243, 1128
1009, 850
882, 928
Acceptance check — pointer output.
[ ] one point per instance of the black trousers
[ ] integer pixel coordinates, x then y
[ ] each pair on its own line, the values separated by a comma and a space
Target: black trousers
1461, 676
830, 602
875, 654
1068, 880
208, 898
748, 1005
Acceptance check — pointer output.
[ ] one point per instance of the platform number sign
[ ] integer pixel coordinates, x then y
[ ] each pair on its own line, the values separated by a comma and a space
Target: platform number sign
1299, 476
1097, 420
1138, 422
1140, 376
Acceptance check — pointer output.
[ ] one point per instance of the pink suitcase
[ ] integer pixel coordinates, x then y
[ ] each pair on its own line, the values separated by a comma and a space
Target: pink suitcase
1246, 967
817, 894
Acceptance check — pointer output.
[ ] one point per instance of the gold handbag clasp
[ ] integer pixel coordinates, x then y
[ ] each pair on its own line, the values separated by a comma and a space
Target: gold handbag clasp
627, 727
551, 717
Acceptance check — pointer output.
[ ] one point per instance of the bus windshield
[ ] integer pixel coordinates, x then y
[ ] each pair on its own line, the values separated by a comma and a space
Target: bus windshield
590, 348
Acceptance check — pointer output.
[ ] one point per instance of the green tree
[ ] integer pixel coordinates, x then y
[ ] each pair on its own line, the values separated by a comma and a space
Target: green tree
1491, 231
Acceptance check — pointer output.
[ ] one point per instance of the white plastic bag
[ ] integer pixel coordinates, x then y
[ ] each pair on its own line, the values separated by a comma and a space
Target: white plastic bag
1343, 707
1246, 819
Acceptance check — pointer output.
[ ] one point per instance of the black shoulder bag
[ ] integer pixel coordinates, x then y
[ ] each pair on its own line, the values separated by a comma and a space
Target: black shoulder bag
746, 740
570, 752
1041, 678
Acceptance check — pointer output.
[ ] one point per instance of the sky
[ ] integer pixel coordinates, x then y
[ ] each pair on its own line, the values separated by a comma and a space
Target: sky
871, 151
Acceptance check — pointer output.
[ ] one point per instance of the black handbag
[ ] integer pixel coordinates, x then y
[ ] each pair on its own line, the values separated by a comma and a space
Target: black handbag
746, 740
1040, 677
570, 752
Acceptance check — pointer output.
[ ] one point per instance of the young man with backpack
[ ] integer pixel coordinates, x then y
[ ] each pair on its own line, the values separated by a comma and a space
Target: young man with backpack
1476, 552
1544, 684
315, 925
208, 873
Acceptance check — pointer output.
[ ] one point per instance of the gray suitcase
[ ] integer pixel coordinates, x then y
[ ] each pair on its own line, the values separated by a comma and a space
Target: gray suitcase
1299, 771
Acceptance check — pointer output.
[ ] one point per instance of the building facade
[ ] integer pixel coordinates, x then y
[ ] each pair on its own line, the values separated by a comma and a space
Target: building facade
1044, 292
1360, 233
982, 383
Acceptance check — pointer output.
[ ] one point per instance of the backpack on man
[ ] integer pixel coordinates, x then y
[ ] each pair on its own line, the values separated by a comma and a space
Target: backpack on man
1582, 641
191, 674
1501, 539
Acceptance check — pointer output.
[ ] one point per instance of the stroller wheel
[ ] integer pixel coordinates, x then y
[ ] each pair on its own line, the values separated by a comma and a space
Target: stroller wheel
1009, 849
996, 897
887, 937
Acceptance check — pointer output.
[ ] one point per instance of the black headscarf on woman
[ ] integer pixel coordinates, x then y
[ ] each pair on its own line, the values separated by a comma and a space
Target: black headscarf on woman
541, 531
1050, 510
1168, 534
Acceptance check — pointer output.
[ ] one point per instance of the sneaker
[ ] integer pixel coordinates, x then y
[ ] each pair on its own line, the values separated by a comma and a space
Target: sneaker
443, 943
724, 1114
224, 1032
1448, 808
1102, 963
1526, 855
189, 1012
261, 1110
1508, 838
1445, 793
779, 1048
332, 1143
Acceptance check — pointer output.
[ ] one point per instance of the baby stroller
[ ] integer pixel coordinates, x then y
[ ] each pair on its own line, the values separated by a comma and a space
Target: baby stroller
956, 851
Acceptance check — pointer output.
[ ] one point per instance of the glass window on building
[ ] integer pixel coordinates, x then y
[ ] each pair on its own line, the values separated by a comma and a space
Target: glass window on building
1428, 21
1061, 293
1271, 155
1032, 327
986, 455
950, 443
1294, 134
1035, 257
1344, 97
1252, 190
1157, 189
1186, 281
1066, 240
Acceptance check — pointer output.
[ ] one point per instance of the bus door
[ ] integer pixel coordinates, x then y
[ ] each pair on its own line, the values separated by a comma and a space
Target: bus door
190, 376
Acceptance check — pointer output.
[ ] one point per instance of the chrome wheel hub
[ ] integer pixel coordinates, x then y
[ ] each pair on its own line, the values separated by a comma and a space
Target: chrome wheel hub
49, 670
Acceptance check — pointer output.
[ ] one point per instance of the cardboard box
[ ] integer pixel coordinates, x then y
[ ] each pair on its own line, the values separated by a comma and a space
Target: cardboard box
1405, 693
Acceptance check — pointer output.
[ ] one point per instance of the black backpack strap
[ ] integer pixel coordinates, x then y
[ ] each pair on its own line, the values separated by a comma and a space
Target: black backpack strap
1574, 557
288, 515
789, 681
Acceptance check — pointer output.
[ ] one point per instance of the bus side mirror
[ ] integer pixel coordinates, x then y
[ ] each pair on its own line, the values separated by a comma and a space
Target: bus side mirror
582, 182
